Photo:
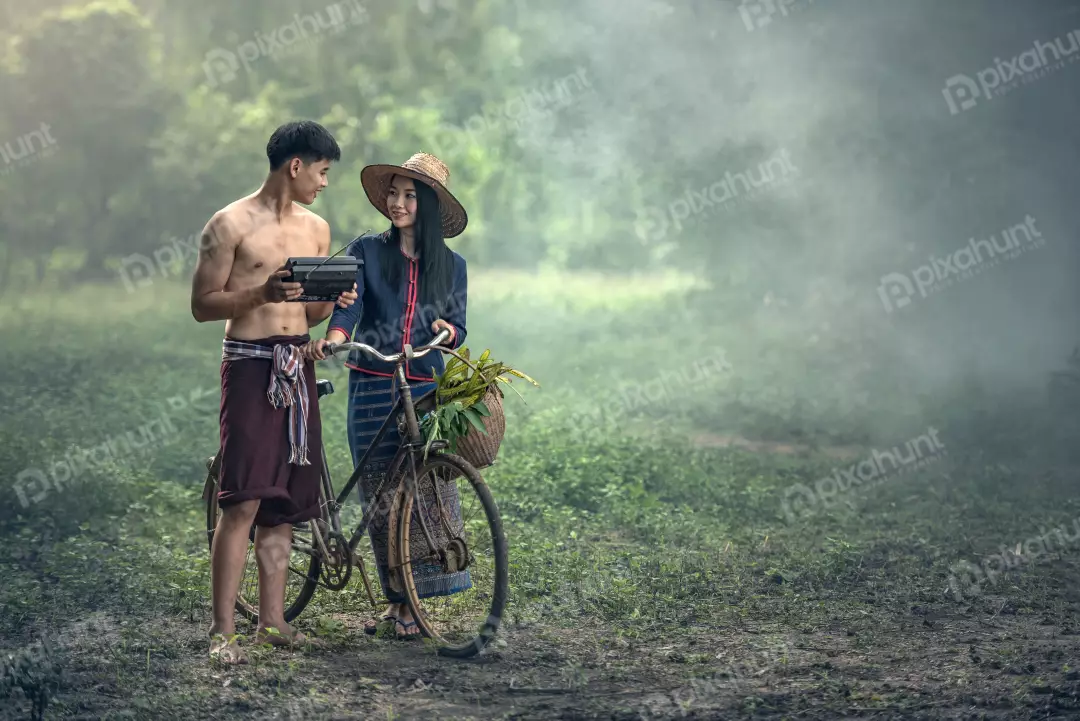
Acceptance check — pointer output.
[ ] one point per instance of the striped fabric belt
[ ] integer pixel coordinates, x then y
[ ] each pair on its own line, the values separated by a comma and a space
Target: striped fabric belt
287, 388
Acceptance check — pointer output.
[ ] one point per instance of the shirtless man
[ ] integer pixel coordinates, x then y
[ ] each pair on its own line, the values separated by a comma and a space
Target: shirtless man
267, 475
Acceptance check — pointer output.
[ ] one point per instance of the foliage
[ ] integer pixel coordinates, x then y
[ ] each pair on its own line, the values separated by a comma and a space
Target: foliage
149, 144
459, 393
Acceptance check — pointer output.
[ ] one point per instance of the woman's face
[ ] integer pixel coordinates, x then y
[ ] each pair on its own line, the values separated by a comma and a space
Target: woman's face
401, 202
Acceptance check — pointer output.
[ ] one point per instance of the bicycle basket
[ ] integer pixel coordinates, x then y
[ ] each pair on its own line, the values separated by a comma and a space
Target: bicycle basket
477, 448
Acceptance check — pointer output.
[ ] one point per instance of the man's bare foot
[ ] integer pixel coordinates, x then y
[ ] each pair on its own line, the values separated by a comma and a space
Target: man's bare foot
226, 649
284, 635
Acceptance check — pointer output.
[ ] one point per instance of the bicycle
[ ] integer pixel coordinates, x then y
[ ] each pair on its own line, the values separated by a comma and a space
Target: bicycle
330, 558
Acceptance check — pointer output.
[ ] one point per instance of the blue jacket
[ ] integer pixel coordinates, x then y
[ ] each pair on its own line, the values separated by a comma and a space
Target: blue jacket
386, 318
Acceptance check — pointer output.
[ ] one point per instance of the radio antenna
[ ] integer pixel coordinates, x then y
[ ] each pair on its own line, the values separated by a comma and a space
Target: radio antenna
335, 254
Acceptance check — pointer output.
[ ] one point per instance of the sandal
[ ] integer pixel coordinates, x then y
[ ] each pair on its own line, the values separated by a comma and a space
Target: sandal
405, 627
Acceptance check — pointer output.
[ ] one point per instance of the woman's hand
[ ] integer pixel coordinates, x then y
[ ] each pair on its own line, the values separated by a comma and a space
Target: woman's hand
347, 298
439, 325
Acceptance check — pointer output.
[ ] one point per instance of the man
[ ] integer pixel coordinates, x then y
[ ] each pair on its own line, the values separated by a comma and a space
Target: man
270, 431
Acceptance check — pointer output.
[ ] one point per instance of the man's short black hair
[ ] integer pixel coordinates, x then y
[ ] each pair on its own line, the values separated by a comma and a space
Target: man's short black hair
304, 139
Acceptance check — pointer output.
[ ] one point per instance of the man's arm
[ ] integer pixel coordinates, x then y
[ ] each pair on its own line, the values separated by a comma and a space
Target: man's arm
217, 251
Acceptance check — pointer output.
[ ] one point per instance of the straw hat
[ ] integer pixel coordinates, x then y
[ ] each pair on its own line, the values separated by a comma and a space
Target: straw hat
426, 169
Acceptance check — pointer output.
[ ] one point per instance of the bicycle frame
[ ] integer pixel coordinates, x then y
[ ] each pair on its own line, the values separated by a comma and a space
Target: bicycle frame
412, 444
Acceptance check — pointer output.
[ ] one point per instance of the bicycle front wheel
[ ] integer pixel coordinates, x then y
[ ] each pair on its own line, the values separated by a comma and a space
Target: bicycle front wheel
454, 566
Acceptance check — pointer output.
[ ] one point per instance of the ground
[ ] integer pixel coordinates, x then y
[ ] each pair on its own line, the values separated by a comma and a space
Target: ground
853, 651
882, 665
661, 566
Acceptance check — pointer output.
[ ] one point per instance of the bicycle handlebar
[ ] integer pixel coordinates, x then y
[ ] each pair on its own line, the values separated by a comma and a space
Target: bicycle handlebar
409, 352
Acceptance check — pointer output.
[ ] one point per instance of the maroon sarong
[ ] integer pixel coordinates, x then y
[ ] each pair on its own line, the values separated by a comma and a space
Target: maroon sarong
255, 442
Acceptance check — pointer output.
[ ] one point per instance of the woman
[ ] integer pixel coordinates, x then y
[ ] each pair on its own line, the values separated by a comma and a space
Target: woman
410, 287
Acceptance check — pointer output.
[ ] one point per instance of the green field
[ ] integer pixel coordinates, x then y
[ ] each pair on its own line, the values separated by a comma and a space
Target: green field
660, 567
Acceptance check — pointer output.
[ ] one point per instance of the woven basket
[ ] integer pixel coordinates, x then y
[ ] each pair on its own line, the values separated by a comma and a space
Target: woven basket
479, 449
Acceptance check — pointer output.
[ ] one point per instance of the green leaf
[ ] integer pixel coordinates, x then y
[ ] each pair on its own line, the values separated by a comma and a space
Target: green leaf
519, 374
432, 432
476, 420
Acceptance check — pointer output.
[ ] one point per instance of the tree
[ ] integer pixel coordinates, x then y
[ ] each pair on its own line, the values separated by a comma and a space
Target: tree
89, 74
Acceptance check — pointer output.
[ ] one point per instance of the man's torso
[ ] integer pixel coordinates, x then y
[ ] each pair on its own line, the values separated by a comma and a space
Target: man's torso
264, 246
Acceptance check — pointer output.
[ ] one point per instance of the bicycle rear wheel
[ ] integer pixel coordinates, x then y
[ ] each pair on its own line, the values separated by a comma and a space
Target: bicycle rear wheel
468, 560
303, 567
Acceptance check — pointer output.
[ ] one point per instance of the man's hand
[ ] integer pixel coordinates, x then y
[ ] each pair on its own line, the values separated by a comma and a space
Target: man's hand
315, 349
276, 291
439, 325
347, 298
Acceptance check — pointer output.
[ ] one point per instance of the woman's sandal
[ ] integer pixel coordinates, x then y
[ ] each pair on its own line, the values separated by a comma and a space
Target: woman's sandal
405, 627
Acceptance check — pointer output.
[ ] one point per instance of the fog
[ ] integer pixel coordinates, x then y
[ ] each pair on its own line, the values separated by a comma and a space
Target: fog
886, 179
834, 173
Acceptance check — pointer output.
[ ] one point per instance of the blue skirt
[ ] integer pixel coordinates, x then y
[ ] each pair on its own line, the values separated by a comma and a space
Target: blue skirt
370, 402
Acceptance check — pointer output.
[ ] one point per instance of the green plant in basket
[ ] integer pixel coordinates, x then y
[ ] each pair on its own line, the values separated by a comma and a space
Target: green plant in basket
460, 393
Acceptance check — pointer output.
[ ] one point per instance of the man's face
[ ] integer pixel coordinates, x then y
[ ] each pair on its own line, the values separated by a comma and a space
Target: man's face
401, 202
308, 180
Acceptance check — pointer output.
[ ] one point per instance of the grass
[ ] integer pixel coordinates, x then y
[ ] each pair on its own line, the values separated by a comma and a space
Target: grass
617, 522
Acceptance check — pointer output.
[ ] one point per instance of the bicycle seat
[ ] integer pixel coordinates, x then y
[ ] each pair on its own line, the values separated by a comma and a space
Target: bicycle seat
324, 387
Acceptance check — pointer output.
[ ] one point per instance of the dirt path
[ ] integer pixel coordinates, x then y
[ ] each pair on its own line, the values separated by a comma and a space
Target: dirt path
877, 664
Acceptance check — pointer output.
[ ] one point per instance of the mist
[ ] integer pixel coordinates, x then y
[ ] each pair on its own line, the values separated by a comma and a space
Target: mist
886, 178
798, 280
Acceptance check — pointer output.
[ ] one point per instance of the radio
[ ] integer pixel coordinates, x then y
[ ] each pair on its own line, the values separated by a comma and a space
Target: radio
323, 278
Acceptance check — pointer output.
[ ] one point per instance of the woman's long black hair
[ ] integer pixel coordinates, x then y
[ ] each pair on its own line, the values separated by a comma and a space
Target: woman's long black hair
436, 261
